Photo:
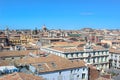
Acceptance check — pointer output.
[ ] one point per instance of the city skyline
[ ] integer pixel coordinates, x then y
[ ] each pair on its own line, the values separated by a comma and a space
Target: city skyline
59, 14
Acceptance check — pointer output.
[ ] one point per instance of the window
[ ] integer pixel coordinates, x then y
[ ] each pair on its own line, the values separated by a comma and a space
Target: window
102, 53
98, 59
83, 69
111, 54
93, 60
102, 65
66, 55
88, 60
81, 54
71, 71
115, 64
105, 58
3, 58
89, 55
101, 59
83, 75
53, 64
77, 54
40, 67
98, 53
71, 55
77, 75
74, 70
60, 73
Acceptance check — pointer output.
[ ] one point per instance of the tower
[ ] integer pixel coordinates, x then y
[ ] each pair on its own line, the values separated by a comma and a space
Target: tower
7, 32
44, 29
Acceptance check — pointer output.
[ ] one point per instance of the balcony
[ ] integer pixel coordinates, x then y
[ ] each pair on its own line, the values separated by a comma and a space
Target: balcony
100, 63
100, 55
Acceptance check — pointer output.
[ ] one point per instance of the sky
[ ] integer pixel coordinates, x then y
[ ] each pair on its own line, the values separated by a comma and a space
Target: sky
60, 14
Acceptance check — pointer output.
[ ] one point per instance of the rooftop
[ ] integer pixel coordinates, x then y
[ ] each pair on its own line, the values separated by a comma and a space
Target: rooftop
73, 43
115, 51
51, 63
14, 53
20, 76
76, 49
19, 53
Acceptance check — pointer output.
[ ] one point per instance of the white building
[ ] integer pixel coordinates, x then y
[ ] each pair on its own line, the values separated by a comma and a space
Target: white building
8, 69
54, 67
96, 55
115, 58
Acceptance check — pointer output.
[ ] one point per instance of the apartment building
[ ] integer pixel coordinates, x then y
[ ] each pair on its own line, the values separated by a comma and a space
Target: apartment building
96, 55
53, 67
115, 58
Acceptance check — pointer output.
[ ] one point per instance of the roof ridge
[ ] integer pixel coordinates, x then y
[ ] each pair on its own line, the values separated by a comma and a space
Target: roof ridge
47, 66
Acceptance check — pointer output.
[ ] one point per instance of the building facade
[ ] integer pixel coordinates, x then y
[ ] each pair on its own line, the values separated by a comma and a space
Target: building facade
98, 56
70, 74
115, 58
53, 67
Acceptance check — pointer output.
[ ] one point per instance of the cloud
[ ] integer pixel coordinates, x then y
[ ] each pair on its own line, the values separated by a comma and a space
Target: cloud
86, 13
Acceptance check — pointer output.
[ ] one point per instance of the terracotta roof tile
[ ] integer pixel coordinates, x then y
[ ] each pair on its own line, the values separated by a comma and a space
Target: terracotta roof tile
115, 51
4, 63
19, 53
75, 43
14, 53
74, 49
51, 63
102, 78
20, 76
